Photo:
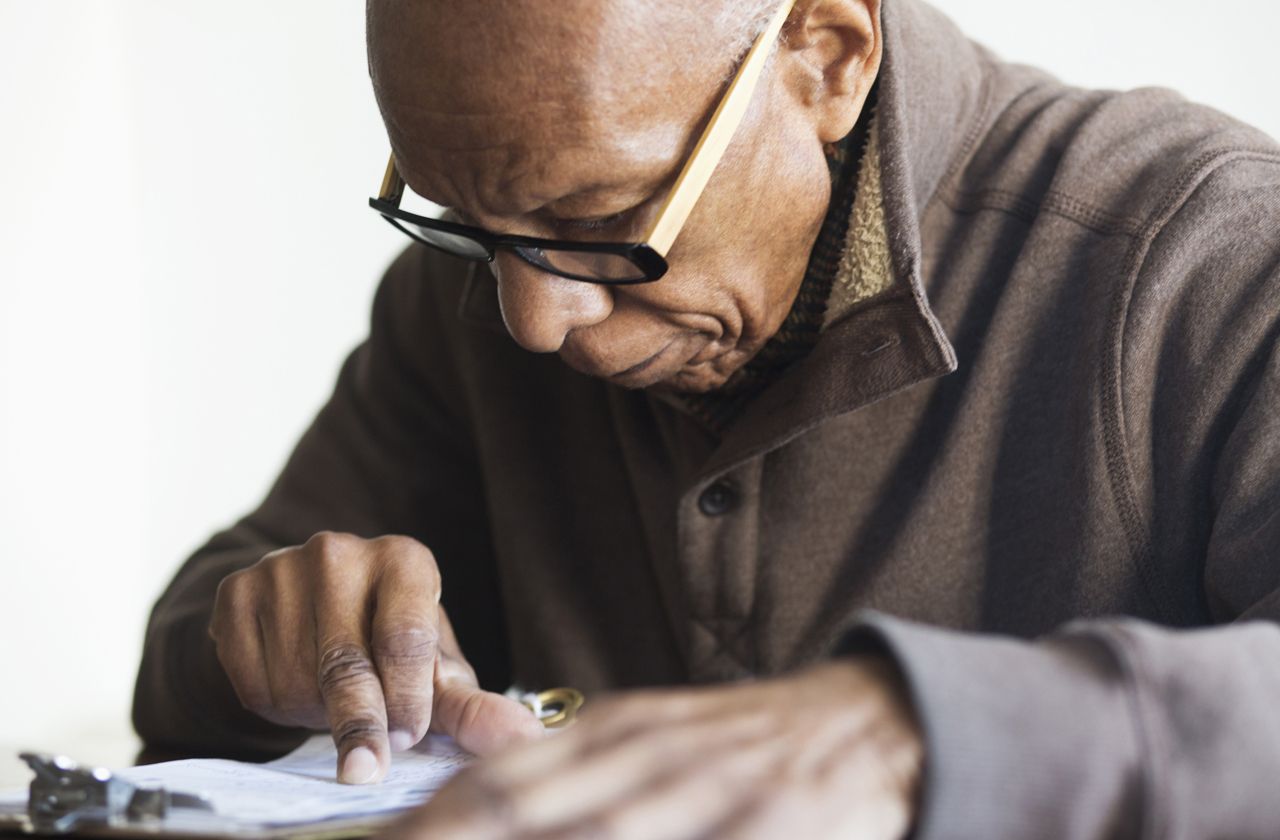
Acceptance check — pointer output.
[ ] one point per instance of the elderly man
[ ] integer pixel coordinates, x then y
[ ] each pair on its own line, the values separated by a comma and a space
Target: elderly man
920, 408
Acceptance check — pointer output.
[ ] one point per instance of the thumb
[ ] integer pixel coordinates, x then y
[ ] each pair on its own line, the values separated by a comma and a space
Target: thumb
482, 722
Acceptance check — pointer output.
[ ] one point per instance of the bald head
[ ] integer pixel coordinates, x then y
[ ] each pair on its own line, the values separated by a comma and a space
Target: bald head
528, 40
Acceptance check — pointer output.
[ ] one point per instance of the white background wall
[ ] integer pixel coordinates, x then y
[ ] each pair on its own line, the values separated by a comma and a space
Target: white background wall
186, 256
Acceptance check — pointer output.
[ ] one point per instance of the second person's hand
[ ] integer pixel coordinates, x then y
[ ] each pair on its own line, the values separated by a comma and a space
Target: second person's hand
348, 634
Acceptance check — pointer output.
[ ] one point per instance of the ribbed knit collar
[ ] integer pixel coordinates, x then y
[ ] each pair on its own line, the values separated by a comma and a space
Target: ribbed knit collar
833, 280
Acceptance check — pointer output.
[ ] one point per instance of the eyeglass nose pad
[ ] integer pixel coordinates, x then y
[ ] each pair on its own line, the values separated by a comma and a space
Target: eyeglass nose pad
527, 260
500, 256
530, 256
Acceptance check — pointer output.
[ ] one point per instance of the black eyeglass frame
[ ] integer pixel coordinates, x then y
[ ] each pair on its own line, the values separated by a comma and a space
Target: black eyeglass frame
649, 262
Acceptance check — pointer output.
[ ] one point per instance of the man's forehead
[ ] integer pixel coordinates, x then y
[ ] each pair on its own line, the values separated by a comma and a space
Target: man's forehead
545, 97
489, 52
510, 164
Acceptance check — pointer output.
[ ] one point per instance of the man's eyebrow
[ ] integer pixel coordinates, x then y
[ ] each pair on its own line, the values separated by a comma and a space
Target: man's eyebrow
599, 202
608, 195
637, 179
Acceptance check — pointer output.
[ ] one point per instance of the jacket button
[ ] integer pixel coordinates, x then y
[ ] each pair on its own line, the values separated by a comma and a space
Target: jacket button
718, 499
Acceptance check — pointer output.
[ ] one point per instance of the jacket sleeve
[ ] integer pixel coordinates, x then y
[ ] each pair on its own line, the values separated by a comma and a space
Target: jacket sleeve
384, 456
1120, 728
1116, 728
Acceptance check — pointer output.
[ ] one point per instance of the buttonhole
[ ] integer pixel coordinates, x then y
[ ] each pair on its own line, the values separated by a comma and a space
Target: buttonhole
883, 345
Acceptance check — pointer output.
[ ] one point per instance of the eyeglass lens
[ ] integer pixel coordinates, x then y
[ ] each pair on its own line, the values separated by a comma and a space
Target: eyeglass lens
583, 265
450, 243
591, 266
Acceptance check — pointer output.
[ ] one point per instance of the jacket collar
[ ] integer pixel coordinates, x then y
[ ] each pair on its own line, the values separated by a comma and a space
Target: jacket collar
932, 88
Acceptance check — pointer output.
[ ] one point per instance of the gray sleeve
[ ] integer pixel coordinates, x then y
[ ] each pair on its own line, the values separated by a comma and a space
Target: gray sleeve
1115, 729
1119, 728
384, 456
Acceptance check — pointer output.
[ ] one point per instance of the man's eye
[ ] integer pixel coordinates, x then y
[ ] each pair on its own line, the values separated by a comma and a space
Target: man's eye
595, 225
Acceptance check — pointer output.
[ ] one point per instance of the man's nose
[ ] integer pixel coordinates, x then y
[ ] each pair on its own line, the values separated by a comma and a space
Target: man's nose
540, 308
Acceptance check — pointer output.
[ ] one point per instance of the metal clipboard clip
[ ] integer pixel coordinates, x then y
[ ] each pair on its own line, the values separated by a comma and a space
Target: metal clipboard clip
66, 796
555, 707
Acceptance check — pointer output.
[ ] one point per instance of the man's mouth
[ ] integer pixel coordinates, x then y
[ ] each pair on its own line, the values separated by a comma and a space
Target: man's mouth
662, 365
642, 366
645, 373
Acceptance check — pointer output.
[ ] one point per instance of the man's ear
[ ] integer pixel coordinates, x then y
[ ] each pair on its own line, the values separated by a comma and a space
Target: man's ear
836, 49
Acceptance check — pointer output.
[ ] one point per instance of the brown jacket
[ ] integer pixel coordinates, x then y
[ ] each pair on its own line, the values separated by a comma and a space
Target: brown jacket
1060, 424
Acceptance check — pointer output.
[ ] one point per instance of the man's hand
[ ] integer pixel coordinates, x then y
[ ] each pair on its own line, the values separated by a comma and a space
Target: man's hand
348, 635
832, 752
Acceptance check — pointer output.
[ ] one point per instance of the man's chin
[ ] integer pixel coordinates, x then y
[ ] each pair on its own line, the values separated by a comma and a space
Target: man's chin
686, 379
694, 379
676, 368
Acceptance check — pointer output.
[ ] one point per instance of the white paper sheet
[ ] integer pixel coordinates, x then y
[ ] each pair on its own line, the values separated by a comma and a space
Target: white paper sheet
301, 788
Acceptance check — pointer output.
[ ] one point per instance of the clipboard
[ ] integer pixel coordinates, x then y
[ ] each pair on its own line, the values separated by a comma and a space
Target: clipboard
167, 800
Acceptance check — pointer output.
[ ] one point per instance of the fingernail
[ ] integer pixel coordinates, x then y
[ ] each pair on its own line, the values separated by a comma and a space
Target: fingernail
401, 741
359, 767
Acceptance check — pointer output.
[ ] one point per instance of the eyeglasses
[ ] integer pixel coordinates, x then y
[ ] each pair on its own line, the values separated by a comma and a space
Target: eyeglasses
611, 263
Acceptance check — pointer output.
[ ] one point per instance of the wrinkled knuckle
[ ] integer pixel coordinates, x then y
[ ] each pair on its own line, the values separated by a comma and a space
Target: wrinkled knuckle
274, 560
277, 564
234, 589
329, 543
408, 554
407, 645
331, 561
341, 665
358, 729
400, 546
325, 569
259, 578
407, 715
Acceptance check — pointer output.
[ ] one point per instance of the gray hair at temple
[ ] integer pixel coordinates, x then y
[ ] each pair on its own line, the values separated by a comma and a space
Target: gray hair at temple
744, 20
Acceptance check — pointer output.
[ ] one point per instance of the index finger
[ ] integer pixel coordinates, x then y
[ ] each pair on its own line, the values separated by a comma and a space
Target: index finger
352, 693
406, 635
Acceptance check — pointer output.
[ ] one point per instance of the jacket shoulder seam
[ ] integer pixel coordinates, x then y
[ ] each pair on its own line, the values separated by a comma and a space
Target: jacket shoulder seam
1194, 175
1112, 380
1055, 203
1091, 216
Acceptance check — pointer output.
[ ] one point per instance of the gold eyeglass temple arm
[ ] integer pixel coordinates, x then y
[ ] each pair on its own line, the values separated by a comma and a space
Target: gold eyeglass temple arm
392, 183
715, 138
